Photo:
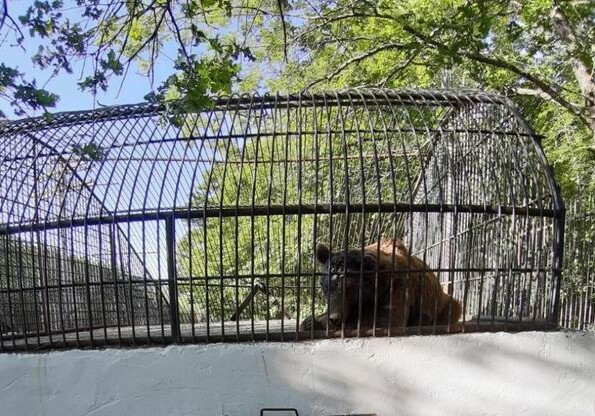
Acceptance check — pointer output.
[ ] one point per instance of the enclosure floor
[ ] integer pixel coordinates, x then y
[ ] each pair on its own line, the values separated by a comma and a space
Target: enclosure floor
276, 330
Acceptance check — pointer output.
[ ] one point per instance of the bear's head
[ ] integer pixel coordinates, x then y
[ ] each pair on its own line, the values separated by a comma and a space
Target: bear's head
346, 274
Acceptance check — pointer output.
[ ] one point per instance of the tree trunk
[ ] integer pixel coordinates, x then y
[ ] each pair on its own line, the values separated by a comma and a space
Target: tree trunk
582, 69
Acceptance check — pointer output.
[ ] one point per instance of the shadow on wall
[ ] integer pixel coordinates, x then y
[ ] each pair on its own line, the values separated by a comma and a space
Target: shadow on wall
528, 373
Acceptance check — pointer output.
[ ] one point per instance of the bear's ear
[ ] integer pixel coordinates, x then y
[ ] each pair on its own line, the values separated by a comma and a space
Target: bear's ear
322, 253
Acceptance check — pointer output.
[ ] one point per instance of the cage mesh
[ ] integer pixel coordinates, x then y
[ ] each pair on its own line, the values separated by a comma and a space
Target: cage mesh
132, 224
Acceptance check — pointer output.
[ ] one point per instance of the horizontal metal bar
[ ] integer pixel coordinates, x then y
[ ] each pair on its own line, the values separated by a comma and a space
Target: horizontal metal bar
197, 280
470, 326
261, 210
372, 97
372, 134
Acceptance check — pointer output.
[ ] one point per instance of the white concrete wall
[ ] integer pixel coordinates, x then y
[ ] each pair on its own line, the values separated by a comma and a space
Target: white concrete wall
477, 374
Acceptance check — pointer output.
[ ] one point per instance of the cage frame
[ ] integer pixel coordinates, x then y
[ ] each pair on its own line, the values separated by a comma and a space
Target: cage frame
169, 215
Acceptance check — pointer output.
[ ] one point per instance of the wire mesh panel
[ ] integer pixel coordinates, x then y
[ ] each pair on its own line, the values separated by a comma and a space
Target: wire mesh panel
130, 225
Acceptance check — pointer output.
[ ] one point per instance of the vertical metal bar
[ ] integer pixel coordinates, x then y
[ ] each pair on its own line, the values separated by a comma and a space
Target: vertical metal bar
4, 327
35, 242
237, 312
122, 270
588, 260
191, 202
385, 138
542, 282
520, 180
7, 258
331, 183
362, 176
453, 261
300, 162
59, 277
509, 276
253, 289
193, 320
559, 223
533, 293
170, 237
505, 197
345, 152
185, 143
522, 260
459, 197
46, 287
467, 274
530, 232
445, 192
316, 144
285, 147
63, 250
206, 256
146, 283
20, 278
217, 136
273, 140
486, 235
236, 242
114, 270
130, 278
394, 122
35, 246
72, 272
88, 282
221, 194
159, 283
104, 320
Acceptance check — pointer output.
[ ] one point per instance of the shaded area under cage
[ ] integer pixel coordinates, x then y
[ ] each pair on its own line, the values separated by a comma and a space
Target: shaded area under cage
127, 225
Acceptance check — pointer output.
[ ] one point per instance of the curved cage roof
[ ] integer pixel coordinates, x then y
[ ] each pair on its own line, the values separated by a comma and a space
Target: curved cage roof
250, 155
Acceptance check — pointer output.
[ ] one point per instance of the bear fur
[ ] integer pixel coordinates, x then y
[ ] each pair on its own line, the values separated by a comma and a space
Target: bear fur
417, 296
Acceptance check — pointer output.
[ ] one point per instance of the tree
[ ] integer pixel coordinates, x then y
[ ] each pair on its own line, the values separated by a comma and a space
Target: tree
110, 37
539, 51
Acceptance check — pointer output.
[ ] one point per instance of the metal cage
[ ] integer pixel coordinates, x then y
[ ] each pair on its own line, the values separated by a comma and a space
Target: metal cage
132, 225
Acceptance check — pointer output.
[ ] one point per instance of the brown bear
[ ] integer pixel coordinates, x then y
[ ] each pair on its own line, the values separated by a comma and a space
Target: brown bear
423, 303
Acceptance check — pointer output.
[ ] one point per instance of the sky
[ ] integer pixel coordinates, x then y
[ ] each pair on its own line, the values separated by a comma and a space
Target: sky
131, 91
65, 85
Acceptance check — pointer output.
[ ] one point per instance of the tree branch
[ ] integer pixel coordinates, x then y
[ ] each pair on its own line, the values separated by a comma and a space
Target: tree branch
547, 89
3, 12
284, 25
582, 70
531, 92
354, 60
399, 68
498, 63
177, 32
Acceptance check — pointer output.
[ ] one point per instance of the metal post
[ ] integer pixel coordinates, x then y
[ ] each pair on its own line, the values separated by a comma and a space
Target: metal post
114, 272
170, 236
558, 263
